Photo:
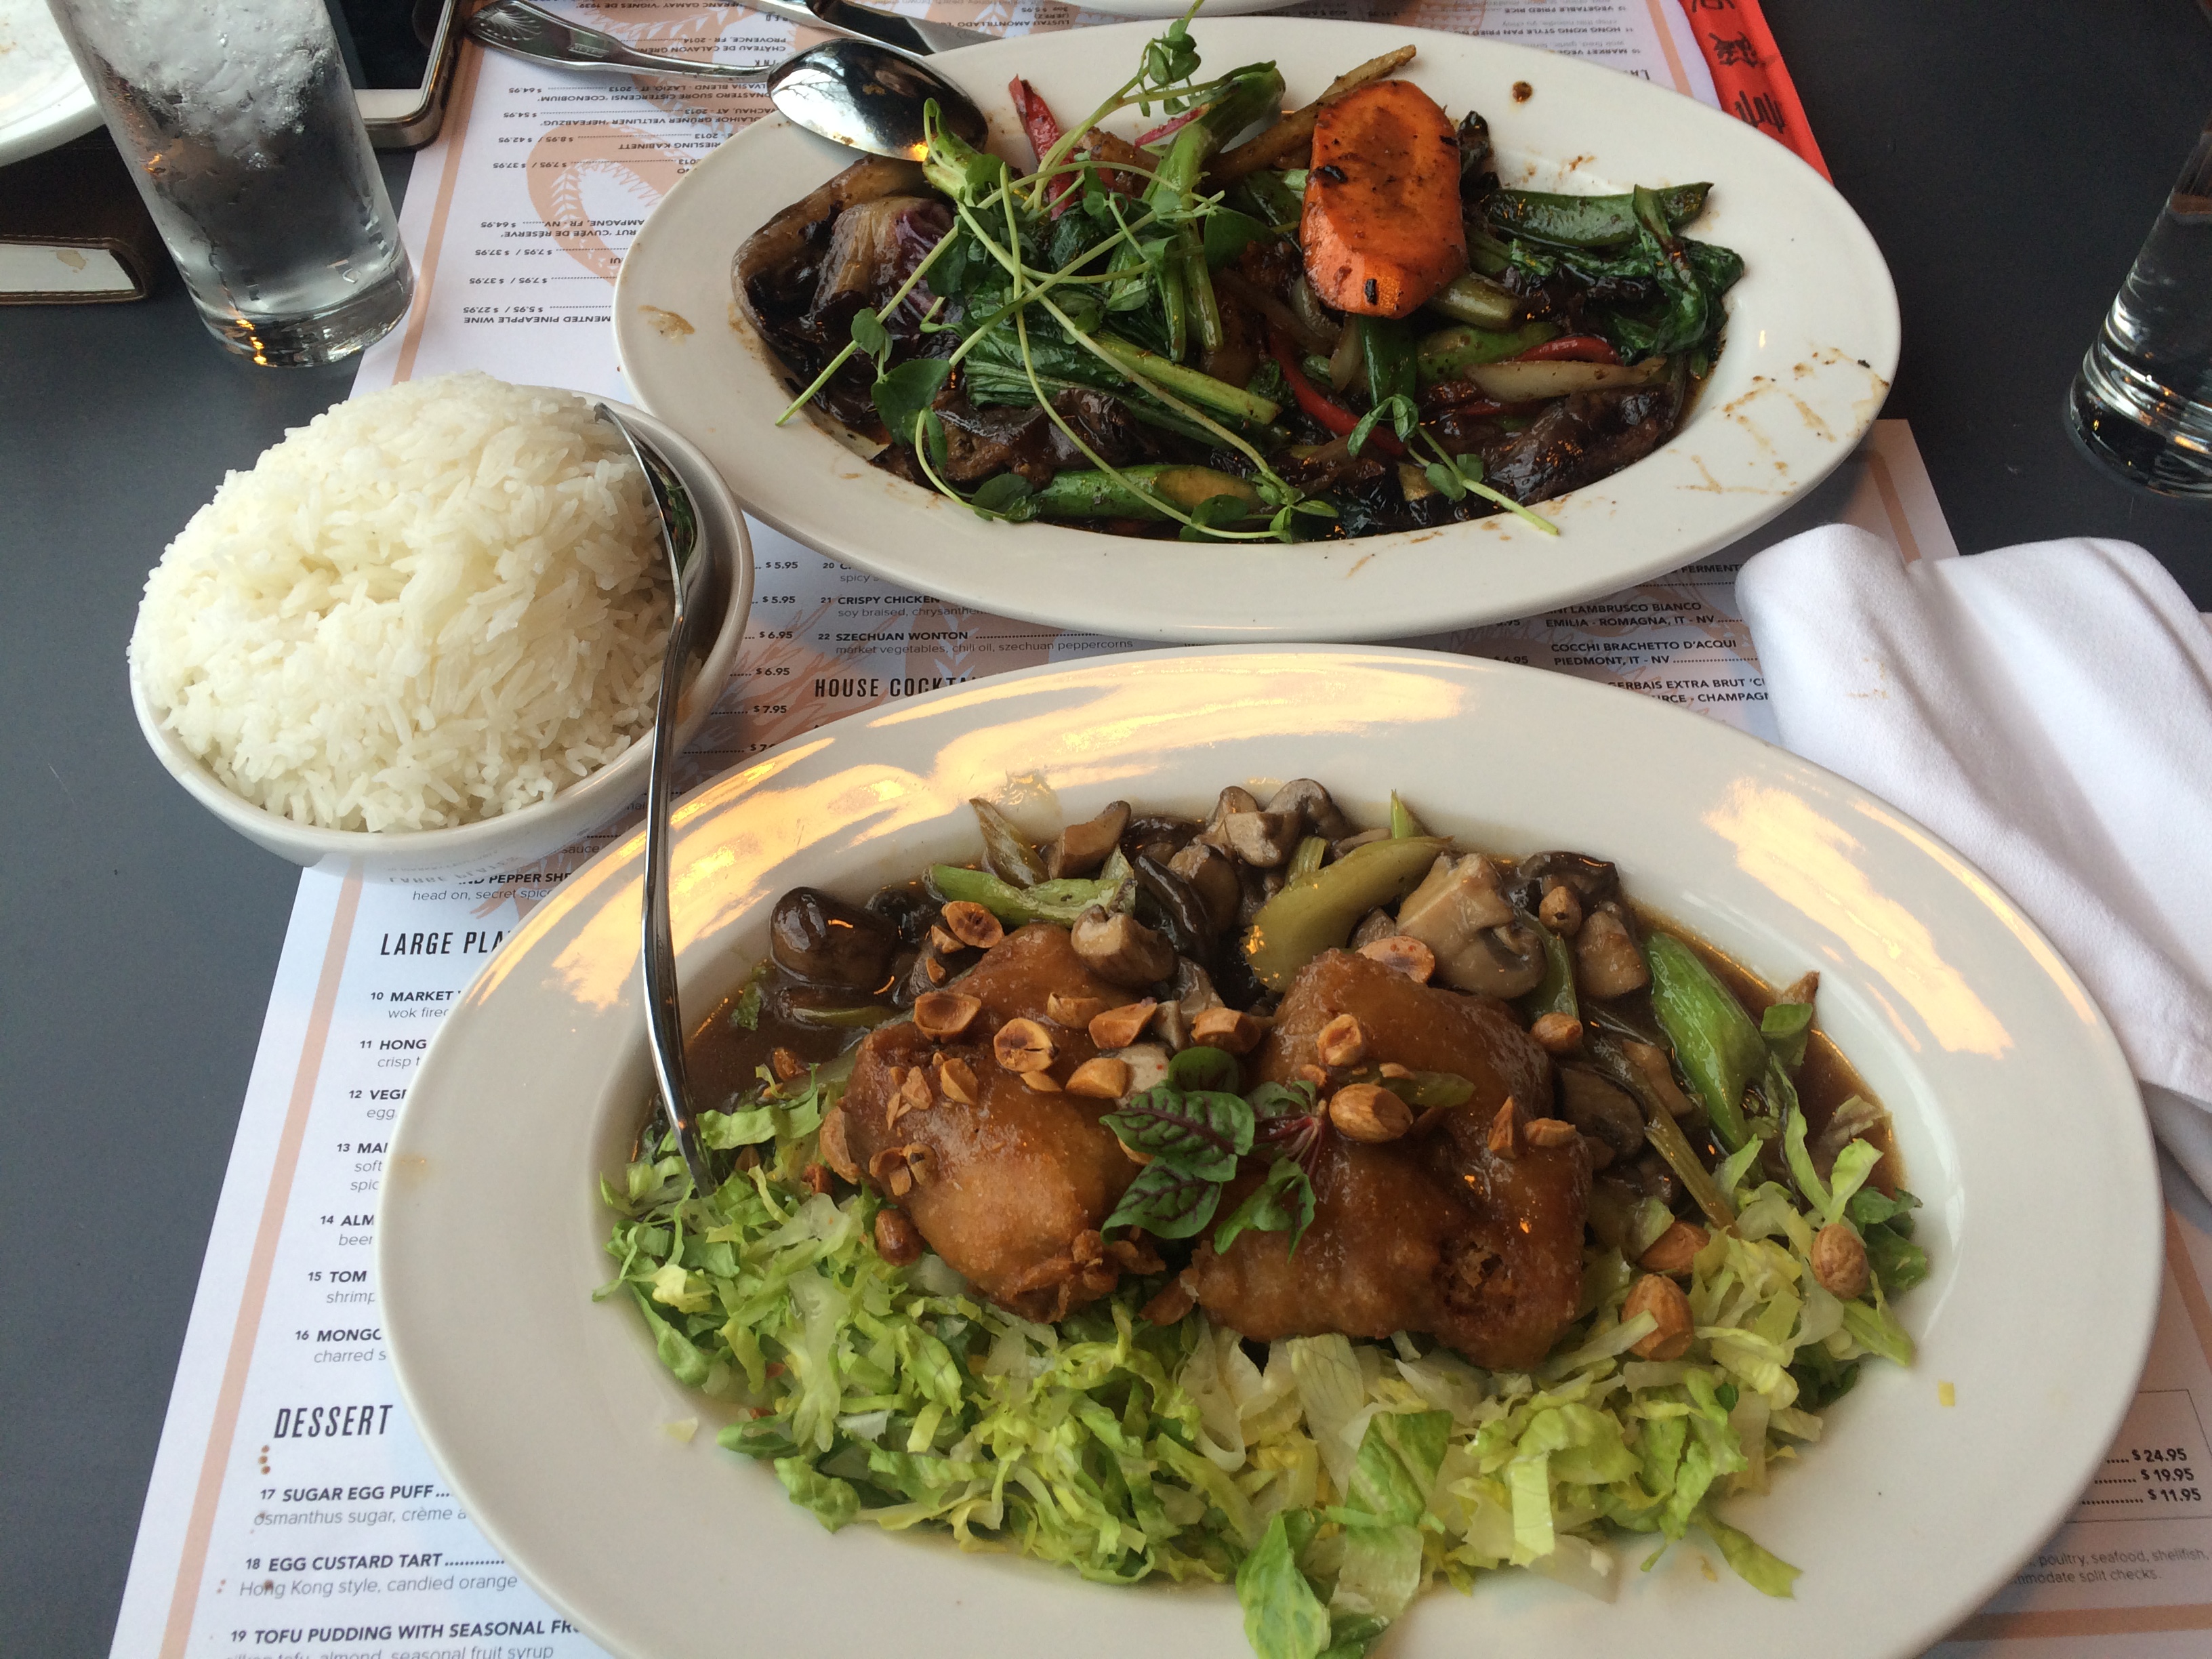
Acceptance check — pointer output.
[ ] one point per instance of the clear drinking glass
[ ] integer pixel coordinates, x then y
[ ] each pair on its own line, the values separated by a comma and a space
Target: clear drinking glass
242, 132
2142, 403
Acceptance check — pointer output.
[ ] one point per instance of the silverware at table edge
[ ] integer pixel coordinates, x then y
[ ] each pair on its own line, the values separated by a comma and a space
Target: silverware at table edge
854, 91
915, 34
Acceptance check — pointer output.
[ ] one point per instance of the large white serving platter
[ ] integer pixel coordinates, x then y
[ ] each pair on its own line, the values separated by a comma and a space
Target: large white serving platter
1812, 344
2018, 1121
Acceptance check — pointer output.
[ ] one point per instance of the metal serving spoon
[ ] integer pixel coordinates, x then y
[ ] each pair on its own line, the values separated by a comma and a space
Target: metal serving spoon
853, 92
687, 574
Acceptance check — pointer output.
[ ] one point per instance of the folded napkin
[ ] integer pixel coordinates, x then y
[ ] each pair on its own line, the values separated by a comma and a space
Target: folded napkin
2048, 710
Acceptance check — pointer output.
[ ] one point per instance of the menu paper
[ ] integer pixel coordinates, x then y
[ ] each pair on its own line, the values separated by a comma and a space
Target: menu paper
293, 1511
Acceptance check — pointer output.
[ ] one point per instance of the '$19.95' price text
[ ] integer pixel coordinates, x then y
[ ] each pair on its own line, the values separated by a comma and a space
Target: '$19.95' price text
2167, 1477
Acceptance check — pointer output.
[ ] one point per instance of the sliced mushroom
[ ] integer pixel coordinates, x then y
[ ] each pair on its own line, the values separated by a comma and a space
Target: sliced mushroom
1600, 1111
1314, 805
1376, 924
1082, 847
1120, 949
826, 941
1594, 881
1231, 799
1263, 840
1606, 961
1460, 912
1174, 907
1211, 874
1193, 995
1352, 843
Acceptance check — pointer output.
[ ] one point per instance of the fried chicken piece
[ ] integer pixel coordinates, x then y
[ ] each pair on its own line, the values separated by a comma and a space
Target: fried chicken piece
1011, 1189
1434, 1232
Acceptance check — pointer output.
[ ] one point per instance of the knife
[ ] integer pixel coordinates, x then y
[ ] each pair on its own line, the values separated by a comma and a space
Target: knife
913, 34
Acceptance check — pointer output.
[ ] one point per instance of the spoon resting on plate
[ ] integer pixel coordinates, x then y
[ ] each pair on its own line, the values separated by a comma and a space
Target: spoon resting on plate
678, 525
853, 92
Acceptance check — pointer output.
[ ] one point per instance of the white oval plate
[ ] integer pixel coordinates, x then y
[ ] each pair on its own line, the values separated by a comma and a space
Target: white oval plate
1812, 344
44, 100
2016, 1114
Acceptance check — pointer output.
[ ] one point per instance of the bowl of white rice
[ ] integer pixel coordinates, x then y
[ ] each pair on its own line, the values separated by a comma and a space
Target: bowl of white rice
424, 632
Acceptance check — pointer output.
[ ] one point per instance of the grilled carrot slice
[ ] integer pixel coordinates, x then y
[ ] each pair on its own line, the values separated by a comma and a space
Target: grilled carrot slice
1382, 226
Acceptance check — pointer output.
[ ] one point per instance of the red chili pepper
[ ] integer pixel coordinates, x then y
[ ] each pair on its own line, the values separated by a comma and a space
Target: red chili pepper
1310, 397
1571, 348
1172, 127
1044, 132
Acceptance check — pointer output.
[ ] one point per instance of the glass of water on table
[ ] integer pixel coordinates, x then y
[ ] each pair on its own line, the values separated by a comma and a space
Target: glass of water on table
2142, 403
237, 120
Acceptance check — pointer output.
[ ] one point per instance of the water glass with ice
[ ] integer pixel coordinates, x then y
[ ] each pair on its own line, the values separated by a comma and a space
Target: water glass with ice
240, 128
2142, 403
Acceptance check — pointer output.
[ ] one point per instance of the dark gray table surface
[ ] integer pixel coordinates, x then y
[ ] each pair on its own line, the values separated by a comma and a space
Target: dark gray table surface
2007, 159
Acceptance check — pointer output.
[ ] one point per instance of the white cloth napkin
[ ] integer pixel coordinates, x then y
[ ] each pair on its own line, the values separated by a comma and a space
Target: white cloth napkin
2047, 709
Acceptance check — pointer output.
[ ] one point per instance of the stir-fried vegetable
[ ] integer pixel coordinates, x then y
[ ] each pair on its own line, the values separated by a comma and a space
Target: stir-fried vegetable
1345, 314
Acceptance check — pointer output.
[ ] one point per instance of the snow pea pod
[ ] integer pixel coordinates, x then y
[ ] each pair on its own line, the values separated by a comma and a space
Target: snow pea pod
1468, 299
1386, 349
1585, 221
1451, 351
1318, 913
1718, 1043
1116, 495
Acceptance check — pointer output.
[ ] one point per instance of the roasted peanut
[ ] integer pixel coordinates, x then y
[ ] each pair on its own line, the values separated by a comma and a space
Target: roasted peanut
1231, 1030
957, 1080
934, 968
898, 1241
1407, 955
836, 1149
1505, 1130
1663, 1298
1043, 1083
815, 1177
1117, 1027
1839, 1261
1561, 911
971, 924
1550, 1132
1342, 1041
1556, 1034
1074, 1012
785, 1064
941, 1014
1022, 1045
913, 1089
1369, 1112
1103, 1079
1673, 1250
944, 943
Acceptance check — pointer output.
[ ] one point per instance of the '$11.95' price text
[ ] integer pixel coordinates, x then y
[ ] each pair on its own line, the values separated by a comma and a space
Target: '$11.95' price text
2167, 1477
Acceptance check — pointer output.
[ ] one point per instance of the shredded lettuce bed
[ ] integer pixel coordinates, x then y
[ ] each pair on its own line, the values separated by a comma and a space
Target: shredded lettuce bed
1330, 1483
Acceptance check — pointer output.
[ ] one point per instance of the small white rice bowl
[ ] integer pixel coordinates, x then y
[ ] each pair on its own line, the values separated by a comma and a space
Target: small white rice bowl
430, 605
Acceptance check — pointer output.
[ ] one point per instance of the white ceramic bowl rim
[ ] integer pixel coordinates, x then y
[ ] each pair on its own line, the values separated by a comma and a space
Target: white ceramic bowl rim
583, 805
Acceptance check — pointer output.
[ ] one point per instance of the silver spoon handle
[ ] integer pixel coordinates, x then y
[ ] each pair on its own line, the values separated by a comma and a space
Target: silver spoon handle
528, 31
664, 1010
